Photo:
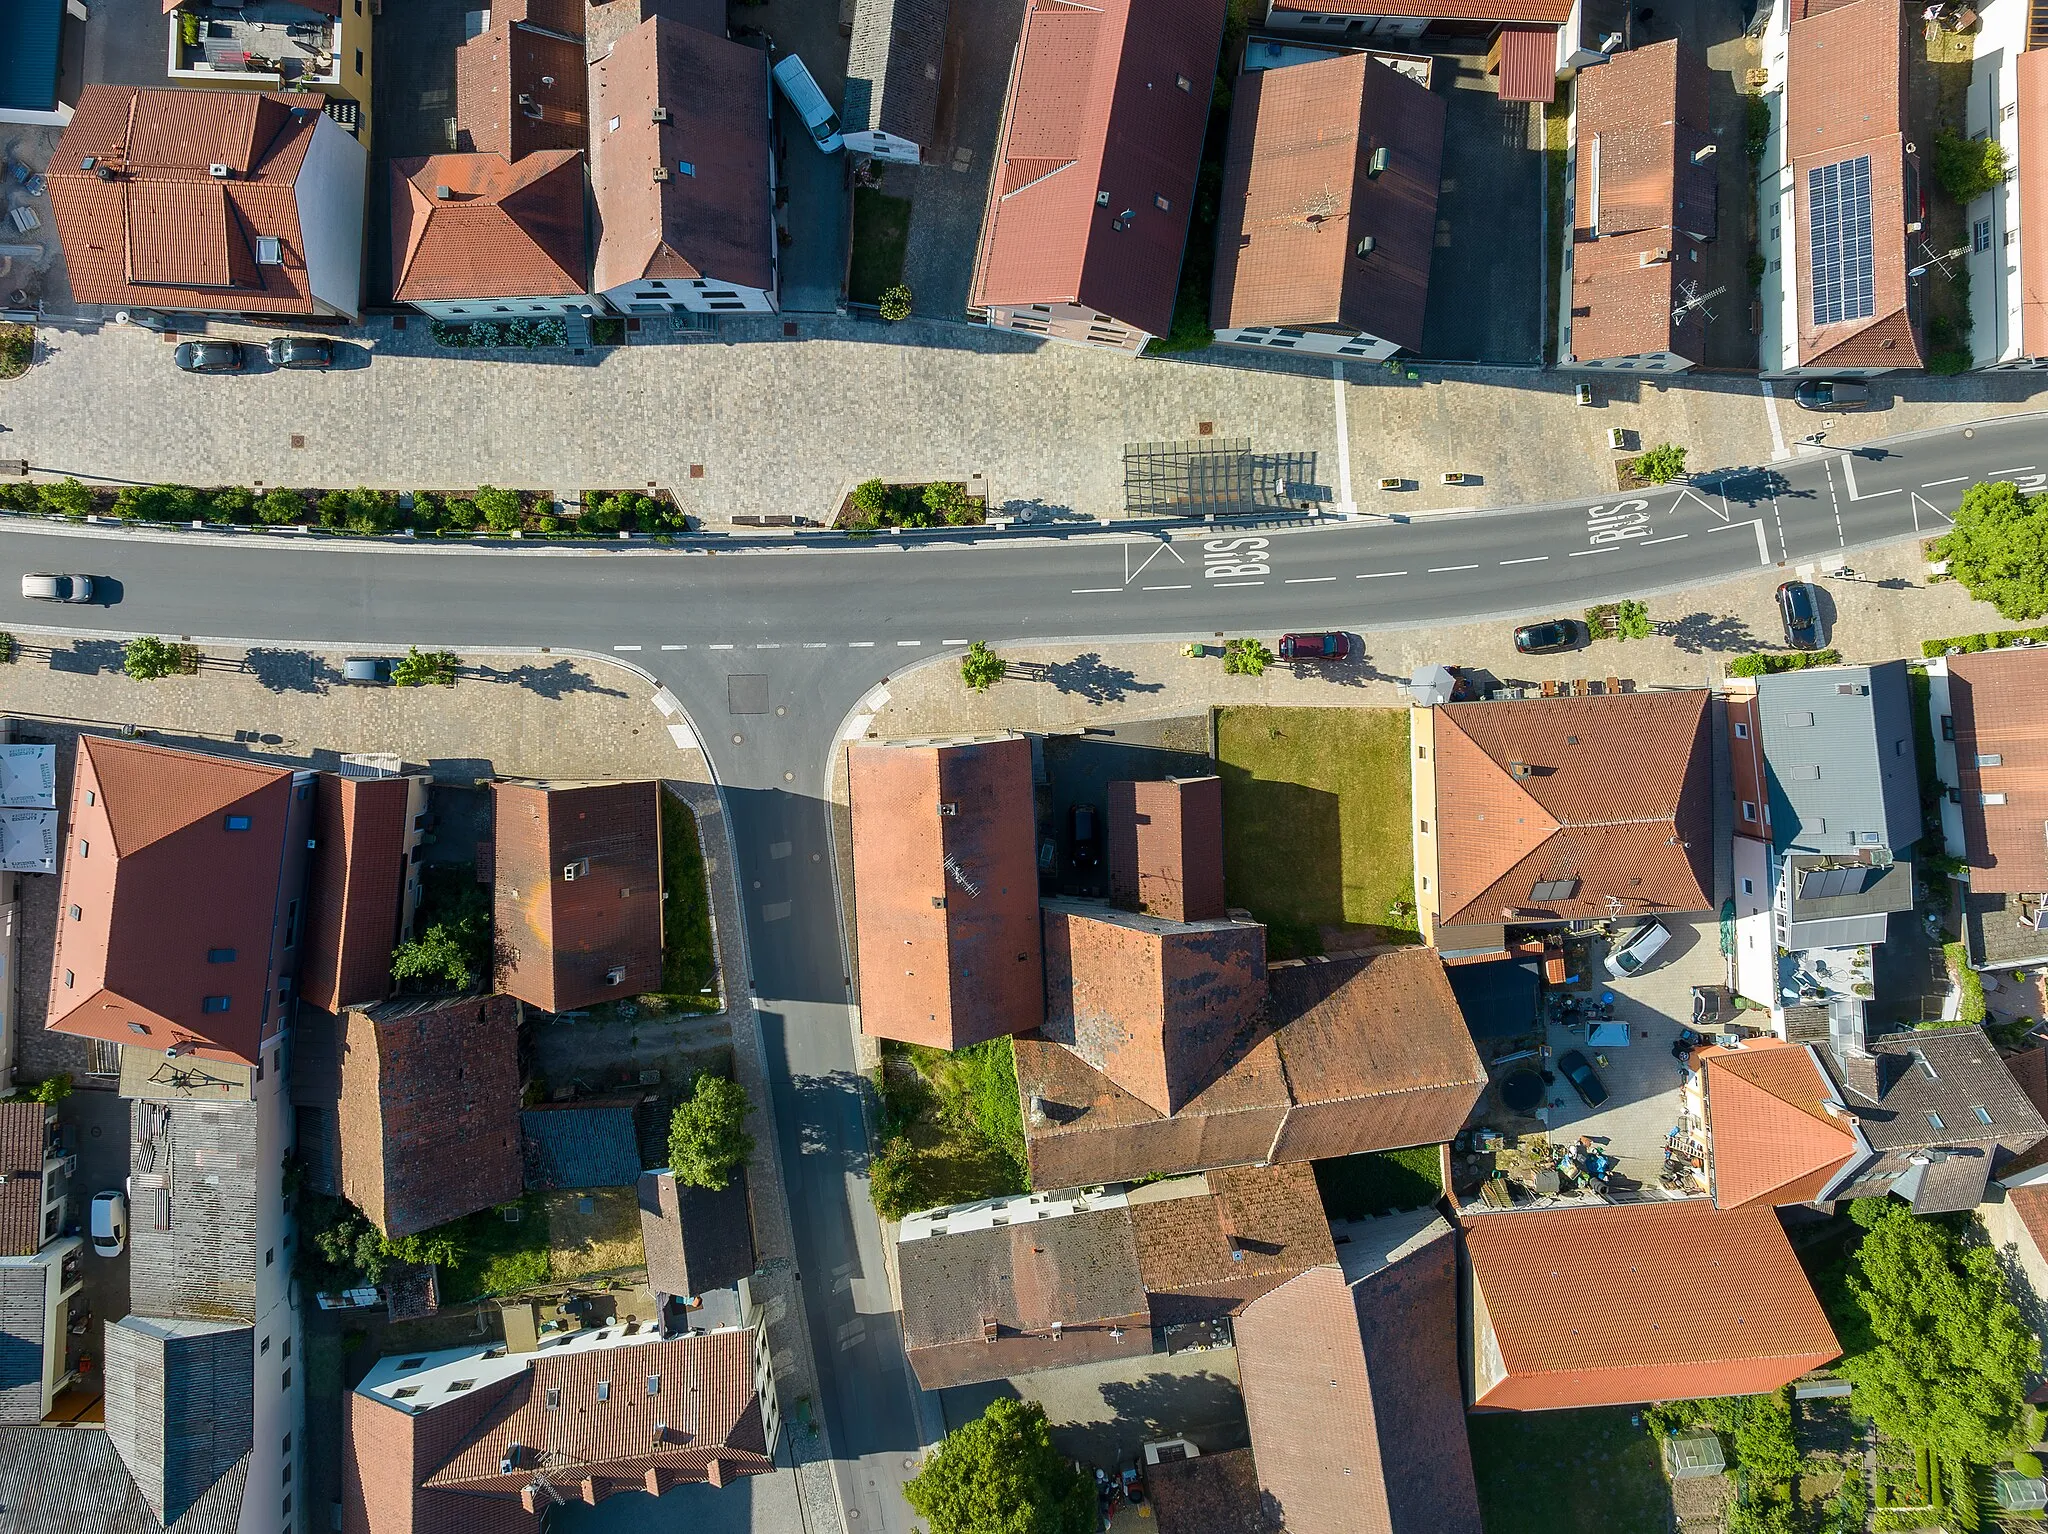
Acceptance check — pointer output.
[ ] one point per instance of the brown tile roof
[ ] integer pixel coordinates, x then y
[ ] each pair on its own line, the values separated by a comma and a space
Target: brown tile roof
945, 888
560, 938
428, 1110
1209, 1244
1299, 194
24, 1137
1210, 1494
1527, 60
1617, 800
509, 231
696, 1239
502, 106
1166, 847
387, 1452
159, 883
1095, 128
2030, 1203
164, 231
2033, 188
355, 896
1552, 11
1995, 698
563, 16
717, 223
1773, 1139
1608, 1305
1845, 92
2029, 1068
1156, 1006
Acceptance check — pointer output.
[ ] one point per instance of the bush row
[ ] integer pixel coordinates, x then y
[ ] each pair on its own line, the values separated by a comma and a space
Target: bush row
1761, 664
1970, 644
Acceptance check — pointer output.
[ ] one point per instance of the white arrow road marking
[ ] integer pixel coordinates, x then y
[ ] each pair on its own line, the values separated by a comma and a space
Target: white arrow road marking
1921, 503
1705, 504
1164, 543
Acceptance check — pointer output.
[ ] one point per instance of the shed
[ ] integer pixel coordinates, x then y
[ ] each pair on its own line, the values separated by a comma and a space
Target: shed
1694, 1453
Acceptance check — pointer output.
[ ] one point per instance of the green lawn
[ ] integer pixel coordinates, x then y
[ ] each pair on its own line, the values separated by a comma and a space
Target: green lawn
497, 1256
1316, 820
1379, 1182
689, 962
1568, 1472
881, 228
952, 1129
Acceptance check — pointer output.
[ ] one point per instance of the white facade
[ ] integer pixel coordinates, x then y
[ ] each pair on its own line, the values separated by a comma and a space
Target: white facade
883, 146
57, 1292
272, 1497
331, 189
1756, 941
1076, 324
678, 295
1362, 347
1776, 230
467, 309
1993, 220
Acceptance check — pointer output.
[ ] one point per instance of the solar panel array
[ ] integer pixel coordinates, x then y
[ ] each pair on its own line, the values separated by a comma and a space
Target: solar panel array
1838, 220
1824, 883
1548, 890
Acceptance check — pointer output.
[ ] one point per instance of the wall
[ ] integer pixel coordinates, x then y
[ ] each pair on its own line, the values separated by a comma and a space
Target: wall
1992, 222
501, 308
1364, 346
332, 187
1075, 323
1776, 236
1756, 944
683, 295
280, 1391
293, 910
1422, 778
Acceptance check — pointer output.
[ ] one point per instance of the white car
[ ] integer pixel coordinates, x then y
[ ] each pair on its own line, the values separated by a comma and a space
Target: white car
109, 1222
57, 588
1636, 952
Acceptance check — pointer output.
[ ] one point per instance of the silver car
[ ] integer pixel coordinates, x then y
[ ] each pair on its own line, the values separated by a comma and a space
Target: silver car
57, 588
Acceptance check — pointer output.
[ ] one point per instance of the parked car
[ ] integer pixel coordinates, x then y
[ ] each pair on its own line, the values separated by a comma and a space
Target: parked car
1635, 953
1325, 647
802, 93
301, 352
366, 671
1085, 827
1831, 394
210, 356
1802, 622
1542, 638
1573, 1067
109, 1222
57, 588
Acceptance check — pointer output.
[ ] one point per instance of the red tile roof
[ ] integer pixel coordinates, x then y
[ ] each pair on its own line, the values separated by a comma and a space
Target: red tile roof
355, 896
24, 1138
2029, 1068
1166, 847
504, 104
1553, 11
1773, 1137
1210, 1244
1995, 699
386, 1453
2030, 1203
508, 231
2033, 186
1096, 128
1606, 1305
1528, 63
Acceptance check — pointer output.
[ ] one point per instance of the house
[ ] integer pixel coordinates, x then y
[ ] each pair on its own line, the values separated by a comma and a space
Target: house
1211, 1244
2007, 104
696, 1238
1838, 199
1778, 1131
2016, 1223
1532, 44
1645, 202
40, 1266
362, 892
890, 108
1328, 218
577, 892
1094, 183
1166, 847
36, 37
318, 46
183, 887
476, 236
493, 1437
210, 202
1611, 1304
1206, 1494
520, 86
681, 170
28, 844
1354, 1053
945, 889
588, 1144
1552, 810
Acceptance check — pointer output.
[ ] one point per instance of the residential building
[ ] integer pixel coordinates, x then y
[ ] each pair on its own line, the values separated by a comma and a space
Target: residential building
1532, 44
318, 46
1094, 183
2008, 254
890, 108
182, 899
520, 85
697, 1239
680, 166
1560, 809
28, 844
210, 202
945, 889
1211, 1244
39, 1265
1778, 1131
36, 87
587, 1144
577, 891
2015, 1220
1839, 204
476, 236
1328, 218
1645, 203
1611, 1304
364, 888
1166, 848
1206, 1494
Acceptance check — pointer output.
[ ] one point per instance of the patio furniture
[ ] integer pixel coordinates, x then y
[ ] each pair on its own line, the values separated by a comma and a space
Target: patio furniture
1550, 689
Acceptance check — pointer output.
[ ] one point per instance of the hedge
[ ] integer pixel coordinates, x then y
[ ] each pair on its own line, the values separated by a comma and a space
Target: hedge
1971, 644
1761, 664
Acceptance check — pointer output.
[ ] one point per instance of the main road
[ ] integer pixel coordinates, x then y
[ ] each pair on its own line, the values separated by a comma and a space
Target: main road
812, 626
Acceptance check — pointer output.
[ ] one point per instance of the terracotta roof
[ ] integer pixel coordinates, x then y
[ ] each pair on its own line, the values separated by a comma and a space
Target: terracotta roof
563, 16
2033, 188
561, 938
1157, 1006
355, 895
1553, 11
160, 883
715, 221
1209, 1244
945, 889
1995, 699
1166, 847
1299, 194
1845, 99
24, 1138
1772, 1137
1209, 1494
1617, 801
509, 231
503, 105
2030, 1203
1605, 1305
2029, 1068
695, 1238
387, 1452
1094, 129
1528, 63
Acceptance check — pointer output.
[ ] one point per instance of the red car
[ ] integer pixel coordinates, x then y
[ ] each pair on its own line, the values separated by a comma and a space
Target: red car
1323, 647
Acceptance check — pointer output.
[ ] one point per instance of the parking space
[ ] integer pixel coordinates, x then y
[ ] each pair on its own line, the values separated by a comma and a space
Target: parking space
1079, 770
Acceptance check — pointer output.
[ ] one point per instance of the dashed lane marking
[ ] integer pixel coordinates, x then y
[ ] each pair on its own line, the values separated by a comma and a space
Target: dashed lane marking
1532, 559
675, 647
1582, 553
860, 644
1668, 538
1094, 591
908, 644
1376, 575
1308, 580
1167, 588
1231, 585
719, 647
1449, 569
1936, 484
625, 647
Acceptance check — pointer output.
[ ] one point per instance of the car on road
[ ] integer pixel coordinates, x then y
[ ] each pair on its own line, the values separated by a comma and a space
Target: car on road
1802, 620
301, 352
57, 588
109, 1222
1084, 825
1317, 647
1831, 394
210, 356
366, 671
1636, 952
1573, 1067
1542, 638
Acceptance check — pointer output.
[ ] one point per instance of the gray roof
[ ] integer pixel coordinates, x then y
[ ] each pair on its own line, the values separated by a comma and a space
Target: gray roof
2000, 930
1945, 1182
1949, 1072
580, 1145
1075, 1270
696, 1239
1825, 888
23, 1289
192, 1222
70, 1480
180, 1406
1838, 749
893, 68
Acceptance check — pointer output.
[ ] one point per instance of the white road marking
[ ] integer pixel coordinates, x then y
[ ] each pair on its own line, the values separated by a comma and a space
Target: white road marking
1231, 585
2025, 468
1778, 448
1093, 591
1669, 538
1449, 569
908, 644
1169, 588
1343, 437
1920, 502
776, 911
1308, 580
1936, 484
819, 645
1835, 501
860, 644
1532, 559
1378, 575
675, 647
767, 646
1603, 549
956, 641
625, 647
719, 647
1763, 547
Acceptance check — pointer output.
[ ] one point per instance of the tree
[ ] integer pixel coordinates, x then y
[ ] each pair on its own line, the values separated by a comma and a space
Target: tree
234, 503
146, 659
502, 509
896, 304
52, 1089
949, 503
68, 498
348, 1243
1000, 1474
707, 1138
1967, 168
281, 506
437, 955
1937, 1352
1998, 548
425, 668
1632, 621
981, 668
1659, 465
1245, 657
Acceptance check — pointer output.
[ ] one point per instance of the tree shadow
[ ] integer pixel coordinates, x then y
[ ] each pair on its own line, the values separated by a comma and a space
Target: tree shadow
553, 681
1204, 1407
1087, 676
1750, 486
1041, 511
88, 657
1698, 633
289, 670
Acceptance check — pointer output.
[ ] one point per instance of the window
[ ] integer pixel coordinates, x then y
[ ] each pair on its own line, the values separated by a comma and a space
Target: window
1422, 753
1162, 204
269, 1256
405, 1392
1948, 726
1101, 201
1425, 881
1984, 759
263, 1347
220, 956
1422, 826
461, 1385
132, 1027
654, 1384
359, 61
287, 1474
1926, 1066
287, 1443
1983, 1113
291, 924
1183, 83
687, 167
1980, 235
1992, 798
614, 125
214, 1004
604, 1390
287, 1379
236, 823
287, 1347
288, 1495
1749, 886
71, 979
1749, 810
413, 1363
554, 1397
91, 798
84, 848
1934, 1120
1741, 730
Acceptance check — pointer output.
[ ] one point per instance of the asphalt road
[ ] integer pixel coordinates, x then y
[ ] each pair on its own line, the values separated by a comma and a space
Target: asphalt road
822, 624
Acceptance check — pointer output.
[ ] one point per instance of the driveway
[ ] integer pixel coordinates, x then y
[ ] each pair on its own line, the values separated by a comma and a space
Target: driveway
818, 205
95, 1127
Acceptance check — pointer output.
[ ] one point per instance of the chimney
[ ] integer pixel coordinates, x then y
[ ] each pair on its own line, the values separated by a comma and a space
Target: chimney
1366, 247
661, 114
1521, 769
1704, 153
1653, 257
988, 1328
218, 171
715, 1473
661, 173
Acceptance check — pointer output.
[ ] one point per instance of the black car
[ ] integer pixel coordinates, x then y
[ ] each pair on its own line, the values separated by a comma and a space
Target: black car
1542, 638
1802, 622
1831, 394
210, 356
1574, 1068
301, 352
1085, 826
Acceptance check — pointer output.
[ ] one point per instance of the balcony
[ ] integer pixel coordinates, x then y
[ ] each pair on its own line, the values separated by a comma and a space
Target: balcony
274, 43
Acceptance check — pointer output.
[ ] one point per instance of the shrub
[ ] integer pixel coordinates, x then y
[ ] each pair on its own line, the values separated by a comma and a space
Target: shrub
1967, 168
520, 333
459, 513
502, 510
1763, 664
427, 509
896, 304
147, 659
368, 511
281, 506
436, 955
17, 349
1245, 657
234, 503
1632, 621
1756, 125
159, 503
1972, 1007
1998, 548
981, 668
67, 498
2027, 1464
425, 668
870, 500
6, 647
1659, 465
949, 503
600, 513
52, 1089
1970, 644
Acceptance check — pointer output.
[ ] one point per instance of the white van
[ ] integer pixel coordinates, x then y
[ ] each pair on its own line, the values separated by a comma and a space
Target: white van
1635, 953
802, 92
